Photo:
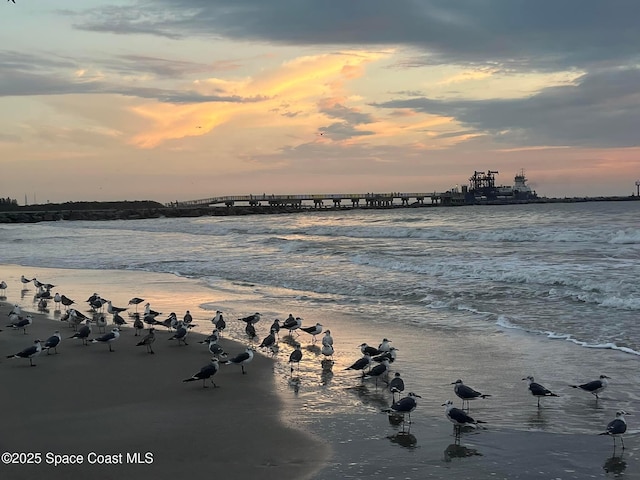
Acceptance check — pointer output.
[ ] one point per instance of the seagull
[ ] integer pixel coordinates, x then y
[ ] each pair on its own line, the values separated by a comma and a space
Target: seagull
405, 405
57, 299
147, 340
378, 371
66, 301
295, 357
108, 338
170, 322
255, 318
250, 330
181, 334
218, 321
617, 427
275, 327
384, 346
292, 323
389, 355
206, 372
118, 320
136, 301
313, 331
268, 341
29, 352
459, 417
365, 348
595, 387
327, 339
242, 358
187, 319
327, 350
113, 310
148, 311
466, 393
216, 349
3, 286
101, 322
84, 332
396, 385
538, 390
138, 324
361, 363
52, 342
214, 337
25, 281
23, 323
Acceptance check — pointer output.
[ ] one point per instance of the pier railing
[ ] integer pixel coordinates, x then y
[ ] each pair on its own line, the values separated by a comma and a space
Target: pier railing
318, 199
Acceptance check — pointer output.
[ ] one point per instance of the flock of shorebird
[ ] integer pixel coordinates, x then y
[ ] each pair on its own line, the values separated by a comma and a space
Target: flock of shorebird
374, 364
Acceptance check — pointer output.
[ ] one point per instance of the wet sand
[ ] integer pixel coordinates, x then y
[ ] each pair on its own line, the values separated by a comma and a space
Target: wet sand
187, 427
128, 406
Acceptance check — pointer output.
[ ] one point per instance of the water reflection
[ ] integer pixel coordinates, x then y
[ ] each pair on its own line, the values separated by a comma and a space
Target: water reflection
537, 420
376, 399
404, 439
455, 450
614, 464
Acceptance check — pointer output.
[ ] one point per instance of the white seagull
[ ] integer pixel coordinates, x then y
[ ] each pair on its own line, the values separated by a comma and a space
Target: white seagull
108, 338
594, 387
52, 342
206, 373
242, 358
313, 331
538, 390
29, 352
617, 427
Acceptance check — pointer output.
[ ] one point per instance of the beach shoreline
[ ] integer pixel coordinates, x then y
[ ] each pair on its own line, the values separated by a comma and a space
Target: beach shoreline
128, 413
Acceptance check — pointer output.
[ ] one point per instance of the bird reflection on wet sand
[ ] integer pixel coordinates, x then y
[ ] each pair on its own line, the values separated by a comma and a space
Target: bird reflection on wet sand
455, 450
404, 439
614, 464
368, 397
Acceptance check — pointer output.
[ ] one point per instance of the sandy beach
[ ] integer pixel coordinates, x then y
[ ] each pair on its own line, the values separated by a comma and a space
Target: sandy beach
127, 413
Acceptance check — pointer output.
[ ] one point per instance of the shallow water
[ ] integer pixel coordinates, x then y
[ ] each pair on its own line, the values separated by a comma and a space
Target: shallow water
489, 295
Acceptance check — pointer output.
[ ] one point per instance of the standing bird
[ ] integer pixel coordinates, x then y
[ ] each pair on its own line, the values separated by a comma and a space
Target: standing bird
617, 427
327, 350
372, 351
22, 323
118, 320
396, 385
181, 334
206, 373
389, 355
269, 341
136, 301
29, 352
275, 327
138, 324
242, 358
250, 330
405, 405
384, 346
313, 331
292, 324
218, 321
360, 364
101, 322
538, 390
66, 301
147, 340
108, 338
327, 339
251, 319
52, 342
459, 417
466, 393
3, 287
57, 299
113, 310
594, 387
149, 312
378, 371
295, 357
25, 281
187, 319
84, 332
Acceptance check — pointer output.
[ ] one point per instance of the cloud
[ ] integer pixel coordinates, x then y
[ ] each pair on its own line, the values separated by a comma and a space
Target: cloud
518, 33
600, 109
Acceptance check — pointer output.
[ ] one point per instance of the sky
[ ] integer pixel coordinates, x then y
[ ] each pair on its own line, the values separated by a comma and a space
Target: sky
185, 99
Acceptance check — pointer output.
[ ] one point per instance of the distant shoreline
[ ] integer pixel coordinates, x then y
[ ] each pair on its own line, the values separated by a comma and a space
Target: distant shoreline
96, 211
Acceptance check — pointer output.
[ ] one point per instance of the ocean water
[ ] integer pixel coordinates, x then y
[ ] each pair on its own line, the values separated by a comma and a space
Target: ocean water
489, 294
